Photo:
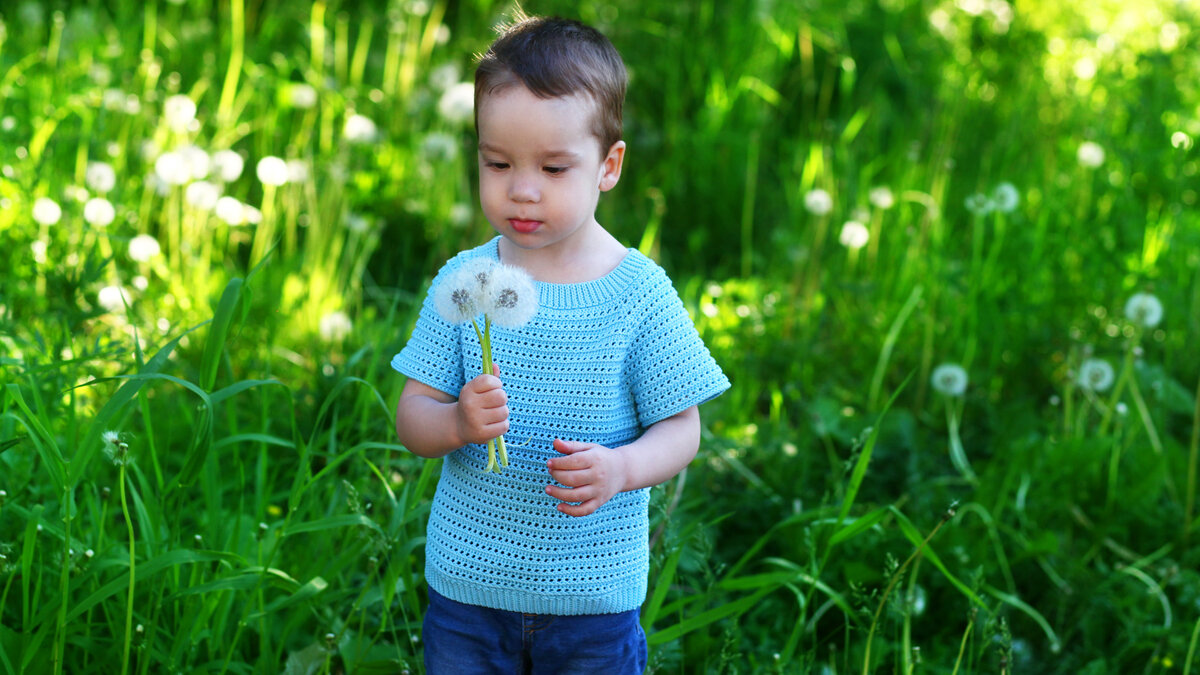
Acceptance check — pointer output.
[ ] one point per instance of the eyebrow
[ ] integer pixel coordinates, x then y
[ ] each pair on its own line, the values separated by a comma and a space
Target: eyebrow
553, 154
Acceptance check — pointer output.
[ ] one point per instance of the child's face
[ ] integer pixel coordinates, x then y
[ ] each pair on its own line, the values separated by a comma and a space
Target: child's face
541, 169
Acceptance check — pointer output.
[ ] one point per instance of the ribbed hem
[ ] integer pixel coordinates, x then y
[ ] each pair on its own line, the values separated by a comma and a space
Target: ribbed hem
622, 599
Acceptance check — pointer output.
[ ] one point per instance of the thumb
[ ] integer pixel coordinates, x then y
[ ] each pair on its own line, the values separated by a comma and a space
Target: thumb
570, 447
496, 369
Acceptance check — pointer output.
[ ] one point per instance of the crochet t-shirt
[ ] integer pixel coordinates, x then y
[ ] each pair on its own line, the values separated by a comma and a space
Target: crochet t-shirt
600, 362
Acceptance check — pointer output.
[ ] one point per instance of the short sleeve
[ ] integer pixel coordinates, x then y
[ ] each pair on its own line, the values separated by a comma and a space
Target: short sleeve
433, 355
669, 367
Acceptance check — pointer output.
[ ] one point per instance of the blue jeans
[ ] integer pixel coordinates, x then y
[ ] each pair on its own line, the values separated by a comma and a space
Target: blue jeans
467, 640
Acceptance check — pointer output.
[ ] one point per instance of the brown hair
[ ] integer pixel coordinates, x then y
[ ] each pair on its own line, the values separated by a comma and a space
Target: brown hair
556, 57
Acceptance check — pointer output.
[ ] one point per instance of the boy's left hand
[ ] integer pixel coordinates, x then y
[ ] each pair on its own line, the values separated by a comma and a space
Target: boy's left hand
591, 473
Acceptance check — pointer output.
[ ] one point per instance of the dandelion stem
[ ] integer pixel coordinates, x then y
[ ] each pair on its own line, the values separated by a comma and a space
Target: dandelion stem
1193, 457
132, 575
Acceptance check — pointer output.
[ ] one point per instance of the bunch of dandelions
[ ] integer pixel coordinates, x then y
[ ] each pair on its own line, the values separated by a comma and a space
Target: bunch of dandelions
505, 296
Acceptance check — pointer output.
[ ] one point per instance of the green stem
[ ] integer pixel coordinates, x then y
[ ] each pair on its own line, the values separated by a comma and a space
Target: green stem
485, 344
132, 576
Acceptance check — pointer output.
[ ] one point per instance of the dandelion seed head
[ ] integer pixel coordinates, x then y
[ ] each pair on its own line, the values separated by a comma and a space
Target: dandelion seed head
979, 204
512, 297
1096, 375
171, 168
438, 146
818, 202
230, 210
202, 195
457, 103
99, 212
854, 235
272, 170
228, 165
143, 247
444, 76
196, 161
297, 170
1006, 197
1144, 309
46, 211
100, 176
179, 111
302, 95
949, 379
881, 197
460, 215
334, 326
112, 298
456, 298
360, 129
1090, 154
39, 248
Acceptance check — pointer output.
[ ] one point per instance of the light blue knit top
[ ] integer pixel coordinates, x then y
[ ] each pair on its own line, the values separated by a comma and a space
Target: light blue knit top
600, 362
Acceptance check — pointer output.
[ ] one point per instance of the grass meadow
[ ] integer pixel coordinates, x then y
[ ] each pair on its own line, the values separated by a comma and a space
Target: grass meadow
948, 252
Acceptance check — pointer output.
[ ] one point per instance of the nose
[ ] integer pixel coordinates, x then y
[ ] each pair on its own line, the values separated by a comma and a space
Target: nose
523, 188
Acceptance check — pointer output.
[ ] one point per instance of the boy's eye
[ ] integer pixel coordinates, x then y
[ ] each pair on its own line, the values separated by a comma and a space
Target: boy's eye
555, 170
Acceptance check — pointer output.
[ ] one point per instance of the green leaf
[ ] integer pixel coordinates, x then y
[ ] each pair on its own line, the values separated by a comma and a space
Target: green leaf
218, 332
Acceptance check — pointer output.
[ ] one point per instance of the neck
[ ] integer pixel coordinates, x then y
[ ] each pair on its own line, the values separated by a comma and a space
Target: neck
588, 258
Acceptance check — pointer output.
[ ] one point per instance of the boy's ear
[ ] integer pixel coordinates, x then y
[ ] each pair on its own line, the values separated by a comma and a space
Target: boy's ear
611, 169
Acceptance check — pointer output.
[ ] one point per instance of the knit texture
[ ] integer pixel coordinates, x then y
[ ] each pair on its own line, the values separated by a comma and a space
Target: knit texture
600, 362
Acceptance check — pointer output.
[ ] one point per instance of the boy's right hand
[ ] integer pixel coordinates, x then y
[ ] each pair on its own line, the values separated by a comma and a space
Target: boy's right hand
482, 410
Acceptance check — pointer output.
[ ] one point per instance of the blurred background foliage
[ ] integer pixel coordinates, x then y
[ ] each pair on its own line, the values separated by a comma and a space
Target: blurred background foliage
847, 195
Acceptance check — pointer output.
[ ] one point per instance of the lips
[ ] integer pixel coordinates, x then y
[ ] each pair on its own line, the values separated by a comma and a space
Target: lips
524, 226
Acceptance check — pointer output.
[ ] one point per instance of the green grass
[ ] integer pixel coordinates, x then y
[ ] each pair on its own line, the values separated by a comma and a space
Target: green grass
844, 515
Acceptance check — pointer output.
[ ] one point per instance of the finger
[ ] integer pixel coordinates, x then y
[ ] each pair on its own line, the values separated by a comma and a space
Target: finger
570, 447
571, 479
571, 494
579, 510
485, 383
496, 369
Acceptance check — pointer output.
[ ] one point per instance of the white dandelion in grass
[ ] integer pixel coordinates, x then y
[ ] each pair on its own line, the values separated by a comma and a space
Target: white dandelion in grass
272, 170
1006, 197
360, 129
202, 195
457, 103
949, 379
979, 204
334, 326
1096, 375
196, 161
1144, 309
881, 197
112, 299
227, 165
230, 210
179, 111
171, 168
505, 296
100, 176
143, 248
301, 95
297, 170
818, 202
1090, 154
99, 212
854, 235
115, 449
46, 211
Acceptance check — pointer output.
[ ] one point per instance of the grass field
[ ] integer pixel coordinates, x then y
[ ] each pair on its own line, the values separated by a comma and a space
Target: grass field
947, 252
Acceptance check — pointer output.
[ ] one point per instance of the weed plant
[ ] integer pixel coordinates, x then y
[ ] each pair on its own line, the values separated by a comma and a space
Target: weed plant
946, 251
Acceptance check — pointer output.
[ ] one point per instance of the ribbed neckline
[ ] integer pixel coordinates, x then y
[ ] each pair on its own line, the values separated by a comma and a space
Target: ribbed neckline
585, 293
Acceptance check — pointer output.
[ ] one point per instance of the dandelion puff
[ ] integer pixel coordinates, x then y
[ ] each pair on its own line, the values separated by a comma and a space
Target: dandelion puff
979, 204
1144, 309
230, 210
112, 299
457, 298
444, 76
854, 235
172, 168
818, 202
272, 170
297, 170
99, 212
179, 111
1090, 154
196, 161
512, 298
949, 379
1096, 375
457, 104
335, 326
100, 176
46, 211
360, 129
144, 247
202, 195
1006, 197
302, 95
881, 197
228, 165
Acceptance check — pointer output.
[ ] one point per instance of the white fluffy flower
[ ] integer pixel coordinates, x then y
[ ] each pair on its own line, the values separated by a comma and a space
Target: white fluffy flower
1090, 154
144, 247
1144, 309
99, 212
100, 176
979, 204
854, 235
818, 202
302, 95
512, 298
949, 379
457, 104
46, 211
171, 168
179, 110
1096, 375
202, 195
458, 297
360, 129
272, 170
334, 326
112, 298
881, 197
297, 170
1006, 197
228, 165
196, 160
230, 210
